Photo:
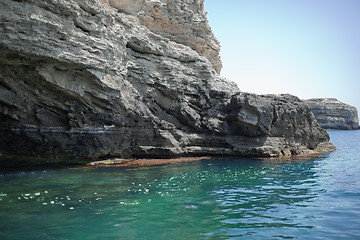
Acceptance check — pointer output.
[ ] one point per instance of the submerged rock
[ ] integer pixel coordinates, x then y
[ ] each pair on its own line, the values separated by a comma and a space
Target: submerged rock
333, 114
98, 78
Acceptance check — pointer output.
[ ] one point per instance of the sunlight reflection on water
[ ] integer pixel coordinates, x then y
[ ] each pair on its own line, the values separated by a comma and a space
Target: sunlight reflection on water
210, 199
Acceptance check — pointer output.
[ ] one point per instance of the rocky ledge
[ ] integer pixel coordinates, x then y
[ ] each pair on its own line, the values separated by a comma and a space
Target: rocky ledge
98, 79
333, 114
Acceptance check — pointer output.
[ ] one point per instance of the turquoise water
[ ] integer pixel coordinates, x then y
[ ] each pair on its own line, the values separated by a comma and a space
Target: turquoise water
212, 199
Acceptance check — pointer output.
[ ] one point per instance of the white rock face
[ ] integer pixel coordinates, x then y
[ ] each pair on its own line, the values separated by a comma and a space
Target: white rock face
182, 21
333, 114
100, 78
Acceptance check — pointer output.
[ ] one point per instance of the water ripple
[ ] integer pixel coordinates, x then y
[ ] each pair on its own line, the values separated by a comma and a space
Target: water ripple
211, 199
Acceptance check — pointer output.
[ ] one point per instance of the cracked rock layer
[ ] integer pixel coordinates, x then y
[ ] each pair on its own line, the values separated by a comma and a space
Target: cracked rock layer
333, 114
98, 78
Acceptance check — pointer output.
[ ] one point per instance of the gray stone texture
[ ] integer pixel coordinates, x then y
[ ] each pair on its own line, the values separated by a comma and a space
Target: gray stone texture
333, 114
98, 78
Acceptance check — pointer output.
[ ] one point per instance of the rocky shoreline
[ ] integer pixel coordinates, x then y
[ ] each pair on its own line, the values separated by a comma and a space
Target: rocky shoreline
146, 162
333, 114
150, 162
119, 79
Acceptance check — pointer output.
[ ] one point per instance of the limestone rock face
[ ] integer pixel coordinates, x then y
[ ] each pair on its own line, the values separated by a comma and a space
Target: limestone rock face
98, 78
182, 21
333, 114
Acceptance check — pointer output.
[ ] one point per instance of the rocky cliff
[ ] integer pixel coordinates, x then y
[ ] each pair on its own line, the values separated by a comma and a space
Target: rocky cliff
333, 114
99, 78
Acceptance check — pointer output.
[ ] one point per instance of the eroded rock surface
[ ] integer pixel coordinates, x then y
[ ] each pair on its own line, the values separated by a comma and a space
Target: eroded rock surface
102, 78
182, 21
333, 114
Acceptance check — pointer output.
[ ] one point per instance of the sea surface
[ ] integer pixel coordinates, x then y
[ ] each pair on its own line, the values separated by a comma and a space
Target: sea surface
223, 198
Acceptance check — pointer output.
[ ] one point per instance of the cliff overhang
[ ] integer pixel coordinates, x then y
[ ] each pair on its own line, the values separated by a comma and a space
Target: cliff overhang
96, 79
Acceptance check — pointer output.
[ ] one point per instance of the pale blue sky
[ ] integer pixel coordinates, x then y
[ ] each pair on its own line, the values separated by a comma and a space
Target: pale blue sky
308, 48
